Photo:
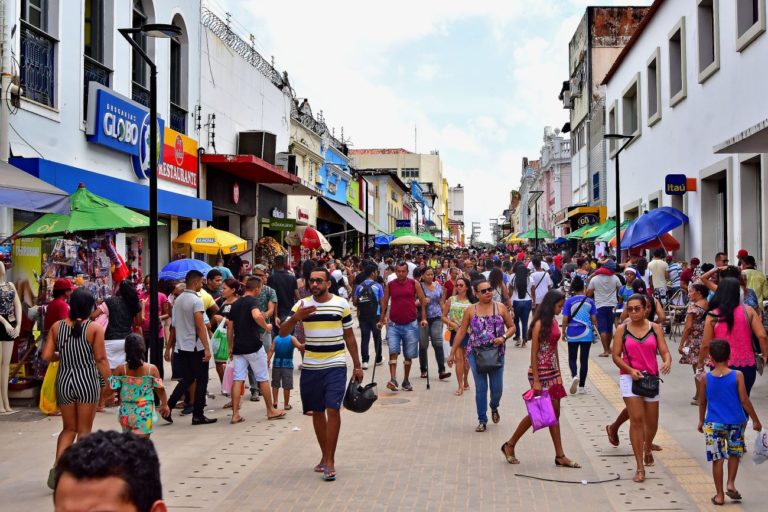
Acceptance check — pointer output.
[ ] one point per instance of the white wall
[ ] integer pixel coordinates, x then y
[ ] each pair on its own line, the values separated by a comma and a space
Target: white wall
58, 134
728, 102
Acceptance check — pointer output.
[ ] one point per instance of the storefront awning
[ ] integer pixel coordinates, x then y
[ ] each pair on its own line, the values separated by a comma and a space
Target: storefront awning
130, 194
256, 170
751, 140
349, 215
22, 191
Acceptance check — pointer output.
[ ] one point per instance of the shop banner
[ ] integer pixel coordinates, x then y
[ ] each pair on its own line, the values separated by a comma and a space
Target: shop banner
27, 261
282, 224
179, 162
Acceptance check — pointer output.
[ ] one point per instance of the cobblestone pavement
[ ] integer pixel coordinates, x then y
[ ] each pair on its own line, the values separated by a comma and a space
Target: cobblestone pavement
412, 451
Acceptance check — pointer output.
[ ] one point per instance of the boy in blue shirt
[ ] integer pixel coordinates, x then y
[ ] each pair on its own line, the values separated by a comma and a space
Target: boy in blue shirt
282, 366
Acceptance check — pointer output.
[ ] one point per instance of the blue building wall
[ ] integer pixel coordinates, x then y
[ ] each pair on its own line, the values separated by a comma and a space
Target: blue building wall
341, 181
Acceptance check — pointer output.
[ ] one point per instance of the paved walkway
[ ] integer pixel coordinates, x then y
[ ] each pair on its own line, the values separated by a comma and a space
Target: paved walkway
412, 451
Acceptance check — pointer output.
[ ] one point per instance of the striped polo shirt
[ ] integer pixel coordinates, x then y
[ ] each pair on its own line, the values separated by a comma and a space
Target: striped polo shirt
324, 333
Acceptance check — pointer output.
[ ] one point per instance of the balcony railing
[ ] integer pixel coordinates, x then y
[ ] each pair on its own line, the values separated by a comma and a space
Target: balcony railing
37, 65
140, 94
93, 71
178, 118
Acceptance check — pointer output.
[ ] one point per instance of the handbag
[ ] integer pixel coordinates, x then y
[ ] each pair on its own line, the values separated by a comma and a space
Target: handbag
488, 358
759, 363
540, 409
648, 385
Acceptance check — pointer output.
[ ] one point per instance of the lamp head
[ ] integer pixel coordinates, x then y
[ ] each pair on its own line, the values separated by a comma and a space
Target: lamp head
161, 30
616, 136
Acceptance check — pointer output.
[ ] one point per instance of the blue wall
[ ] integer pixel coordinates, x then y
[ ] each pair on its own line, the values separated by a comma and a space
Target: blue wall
342, 179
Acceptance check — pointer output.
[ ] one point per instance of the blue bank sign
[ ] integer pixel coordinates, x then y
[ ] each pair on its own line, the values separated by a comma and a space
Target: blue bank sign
120, 124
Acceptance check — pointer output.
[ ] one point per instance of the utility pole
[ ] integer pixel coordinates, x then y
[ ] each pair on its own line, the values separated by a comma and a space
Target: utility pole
6, 214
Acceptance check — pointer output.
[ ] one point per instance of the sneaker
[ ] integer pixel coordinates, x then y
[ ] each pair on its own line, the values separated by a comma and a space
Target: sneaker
392, 385
379, 362
365, 366
407, 386
582, 390
574, 385
188, 409
255, 397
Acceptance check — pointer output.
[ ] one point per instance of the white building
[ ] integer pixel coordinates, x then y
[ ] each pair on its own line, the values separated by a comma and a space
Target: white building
690, 86
456, 213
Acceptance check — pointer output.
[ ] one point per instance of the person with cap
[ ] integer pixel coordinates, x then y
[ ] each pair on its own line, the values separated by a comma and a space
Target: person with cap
58, 308
625, 292
743, 253
603, 286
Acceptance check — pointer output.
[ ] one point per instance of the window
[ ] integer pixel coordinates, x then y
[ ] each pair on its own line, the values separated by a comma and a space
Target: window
750, 21
630, 108
653, 86
708, 19
38, 52
139, 69
409, 173
612, 127
95, 68
678, 83
458, 212
179, 58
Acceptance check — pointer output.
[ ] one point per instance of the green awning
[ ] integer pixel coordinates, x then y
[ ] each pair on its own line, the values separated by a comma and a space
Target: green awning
429, 237
579, 232
611, 233
402, 232
534, 234
609, 225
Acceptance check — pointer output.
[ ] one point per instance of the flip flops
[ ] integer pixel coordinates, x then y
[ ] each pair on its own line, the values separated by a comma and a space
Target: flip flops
240, 420
277, 416
320, 468
612, 438
329, 474
734, 494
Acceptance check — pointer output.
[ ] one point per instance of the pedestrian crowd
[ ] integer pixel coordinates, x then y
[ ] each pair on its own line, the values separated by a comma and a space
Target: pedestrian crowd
482, 302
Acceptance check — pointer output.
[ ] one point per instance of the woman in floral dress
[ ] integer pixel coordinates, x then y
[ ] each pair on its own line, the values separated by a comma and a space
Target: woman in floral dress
693, 332
137, 382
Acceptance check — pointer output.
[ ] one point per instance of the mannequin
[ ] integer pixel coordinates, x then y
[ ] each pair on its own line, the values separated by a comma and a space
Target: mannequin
10, 326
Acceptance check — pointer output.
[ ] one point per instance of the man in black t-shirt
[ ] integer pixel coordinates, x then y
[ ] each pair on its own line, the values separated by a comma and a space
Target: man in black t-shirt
284, 284
246, 350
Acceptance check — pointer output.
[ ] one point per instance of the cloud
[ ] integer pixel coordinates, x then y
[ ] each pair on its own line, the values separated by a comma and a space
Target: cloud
427, 72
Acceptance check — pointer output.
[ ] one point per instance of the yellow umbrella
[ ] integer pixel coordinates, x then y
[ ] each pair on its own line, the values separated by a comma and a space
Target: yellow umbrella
209, 240
408, 240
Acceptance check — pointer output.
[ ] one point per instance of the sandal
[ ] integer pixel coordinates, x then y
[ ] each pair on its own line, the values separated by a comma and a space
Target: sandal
481, 427
613, 438
459, 392
329, 474
495, 416
569, 464
714, 501
227, 405
648, 459
466, 387
287, 407
510, 458
655, 448
277, 416
639, 476
239, 420
734, 494
319, 468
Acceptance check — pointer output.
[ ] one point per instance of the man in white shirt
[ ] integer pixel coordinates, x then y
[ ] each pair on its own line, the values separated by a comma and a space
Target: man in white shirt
603, 286
544, 264
659, 275
411, 265
542, 283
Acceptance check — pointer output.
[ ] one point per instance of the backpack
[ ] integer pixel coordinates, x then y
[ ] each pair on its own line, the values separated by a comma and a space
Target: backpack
367, 303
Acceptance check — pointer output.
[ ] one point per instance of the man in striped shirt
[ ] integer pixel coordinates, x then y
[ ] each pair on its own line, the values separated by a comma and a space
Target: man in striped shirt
327, 321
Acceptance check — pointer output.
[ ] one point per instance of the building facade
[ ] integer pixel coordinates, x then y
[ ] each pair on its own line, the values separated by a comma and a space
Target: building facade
554, 179
456, 213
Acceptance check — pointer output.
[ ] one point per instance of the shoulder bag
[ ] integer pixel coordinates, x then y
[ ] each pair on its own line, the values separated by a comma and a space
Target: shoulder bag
759, 363
648, 385
487, 357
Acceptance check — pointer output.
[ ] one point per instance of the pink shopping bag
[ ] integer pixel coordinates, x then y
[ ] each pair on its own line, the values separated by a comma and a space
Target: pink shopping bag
229, 374
540, 409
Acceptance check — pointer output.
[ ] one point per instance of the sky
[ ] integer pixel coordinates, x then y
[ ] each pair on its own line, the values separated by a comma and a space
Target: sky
477, 81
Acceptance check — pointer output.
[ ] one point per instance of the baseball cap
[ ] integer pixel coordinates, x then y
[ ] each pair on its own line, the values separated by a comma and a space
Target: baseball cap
62, 285
742, 253
610, 265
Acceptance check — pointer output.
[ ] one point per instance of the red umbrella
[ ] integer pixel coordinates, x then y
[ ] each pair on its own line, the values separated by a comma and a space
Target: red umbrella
312, 239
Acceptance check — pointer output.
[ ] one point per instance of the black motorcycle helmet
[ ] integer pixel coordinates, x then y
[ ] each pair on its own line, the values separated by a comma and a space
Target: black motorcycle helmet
359, 398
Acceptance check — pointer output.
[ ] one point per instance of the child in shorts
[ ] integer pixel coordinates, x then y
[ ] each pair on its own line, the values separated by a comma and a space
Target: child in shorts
723, 402
282, 366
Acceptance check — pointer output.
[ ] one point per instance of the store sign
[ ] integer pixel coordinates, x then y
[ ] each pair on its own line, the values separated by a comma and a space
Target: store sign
122, 125
302, 213
279, 224
675, 184
589, 218
403, 223
179, 163
277, 213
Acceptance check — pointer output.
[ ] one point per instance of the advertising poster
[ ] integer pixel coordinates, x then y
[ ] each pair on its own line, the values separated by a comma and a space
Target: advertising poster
27, 260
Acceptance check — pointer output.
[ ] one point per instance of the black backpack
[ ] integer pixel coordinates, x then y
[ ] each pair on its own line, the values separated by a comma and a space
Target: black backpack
367, 303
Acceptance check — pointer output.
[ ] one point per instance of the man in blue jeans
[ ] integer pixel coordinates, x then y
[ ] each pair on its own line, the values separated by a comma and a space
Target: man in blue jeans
367, 300
603, 286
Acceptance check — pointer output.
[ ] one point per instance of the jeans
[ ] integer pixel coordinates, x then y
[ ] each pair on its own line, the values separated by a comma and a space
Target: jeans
573, 351
482, 380
433, 331
522, 309
405, 336
193, 370
368, 327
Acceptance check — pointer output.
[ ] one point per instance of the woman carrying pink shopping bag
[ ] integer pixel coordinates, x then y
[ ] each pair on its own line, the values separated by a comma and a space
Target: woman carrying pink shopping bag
545, 379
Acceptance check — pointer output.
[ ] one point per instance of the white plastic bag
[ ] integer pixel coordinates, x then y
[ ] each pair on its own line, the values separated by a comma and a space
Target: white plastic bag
760, 453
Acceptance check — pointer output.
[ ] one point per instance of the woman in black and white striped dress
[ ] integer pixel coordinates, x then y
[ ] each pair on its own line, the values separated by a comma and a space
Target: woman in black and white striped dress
78, 345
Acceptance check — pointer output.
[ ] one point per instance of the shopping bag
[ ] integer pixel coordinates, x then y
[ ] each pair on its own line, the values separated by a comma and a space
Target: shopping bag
229, 374
48, 403
220, 345
760, 453
540, 409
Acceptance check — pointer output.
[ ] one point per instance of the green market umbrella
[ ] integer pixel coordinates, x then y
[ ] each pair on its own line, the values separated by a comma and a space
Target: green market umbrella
609, 225
429, 237
402, 232
534, 234
580, 232
88, 212
611, 233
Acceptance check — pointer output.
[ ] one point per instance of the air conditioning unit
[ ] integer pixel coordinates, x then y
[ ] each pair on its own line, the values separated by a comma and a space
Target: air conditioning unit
287, 161
258, 143
567, 101
318, 179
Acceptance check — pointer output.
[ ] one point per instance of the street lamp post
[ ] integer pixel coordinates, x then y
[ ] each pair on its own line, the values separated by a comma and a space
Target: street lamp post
157, 31
628, 139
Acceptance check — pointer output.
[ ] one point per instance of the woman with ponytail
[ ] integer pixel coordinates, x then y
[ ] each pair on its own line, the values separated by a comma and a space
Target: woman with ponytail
78, 345
137, 382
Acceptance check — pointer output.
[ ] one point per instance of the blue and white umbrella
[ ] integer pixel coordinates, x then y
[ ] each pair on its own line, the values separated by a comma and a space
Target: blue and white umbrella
177, 270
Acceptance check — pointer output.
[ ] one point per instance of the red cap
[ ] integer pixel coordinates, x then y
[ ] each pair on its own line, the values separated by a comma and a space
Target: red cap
742, 253
62, 284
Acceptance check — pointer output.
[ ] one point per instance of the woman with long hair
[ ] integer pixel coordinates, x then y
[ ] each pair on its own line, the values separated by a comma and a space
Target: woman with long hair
434, 330
635, 346
137, 382
500, 290
78, 345
522, 302
230, 292
453, 313
693, 332
729, 320
544, 373
488, 324
654, 310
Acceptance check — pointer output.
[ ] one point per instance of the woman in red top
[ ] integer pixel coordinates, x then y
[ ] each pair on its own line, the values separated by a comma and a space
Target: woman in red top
58, 308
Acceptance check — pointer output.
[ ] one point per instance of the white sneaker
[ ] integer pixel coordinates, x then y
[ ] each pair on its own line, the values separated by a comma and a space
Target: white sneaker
582, 390
365, 366
574, 385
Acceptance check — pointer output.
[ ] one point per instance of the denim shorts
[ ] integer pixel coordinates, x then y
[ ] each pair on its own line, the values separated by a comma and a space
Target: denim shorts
605, 319
405, 336
464, 342
323, 389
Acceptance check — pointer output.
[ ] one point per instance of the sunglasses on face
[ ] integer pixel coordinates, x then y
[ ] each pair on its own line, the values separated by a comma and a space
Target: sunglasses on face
318, 280
635, 309
484, 290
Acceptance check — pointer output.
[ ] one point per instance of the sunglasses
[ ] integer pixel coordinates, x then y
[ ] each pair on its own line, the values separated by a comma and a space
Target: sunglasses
484, 290
635, 309
317, 280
